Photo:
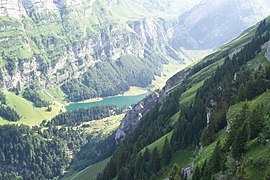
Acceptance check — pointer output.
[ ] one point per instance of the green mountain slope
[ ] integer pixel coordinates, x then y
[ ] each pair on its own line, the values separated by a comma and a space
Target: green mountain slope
222, 107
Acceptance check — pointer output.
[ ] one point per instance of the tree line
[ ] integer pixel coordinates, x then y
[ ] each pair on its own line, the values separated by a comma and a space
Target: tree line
7, 112
31, 95
76, 117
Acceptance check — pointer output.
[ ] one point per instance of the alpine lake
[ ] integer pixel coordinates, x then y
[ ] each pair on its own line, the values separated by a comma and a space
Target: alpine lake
119, 101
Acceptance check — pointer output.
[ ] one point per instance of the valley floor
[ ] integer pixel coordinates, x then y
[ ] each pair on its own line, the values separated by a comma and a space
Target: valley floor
33, 116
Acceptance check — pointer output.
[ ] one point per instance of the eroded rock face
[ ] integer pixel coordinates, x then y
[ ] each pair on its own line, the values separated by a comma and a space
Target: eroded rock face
11, 8
20, 8
39, 6
267, 54
134, 115
70, 48
150, 29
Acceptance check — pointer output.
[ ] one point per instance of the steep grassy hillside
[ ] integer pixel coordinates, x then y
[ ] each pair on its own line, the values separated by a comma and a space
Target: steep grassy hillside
90, 172
221, 113
30, 115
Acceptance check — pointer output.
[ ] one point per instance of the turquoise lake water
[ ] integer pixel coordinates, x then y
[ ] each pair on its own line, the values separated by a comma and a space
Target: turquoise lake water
118, 101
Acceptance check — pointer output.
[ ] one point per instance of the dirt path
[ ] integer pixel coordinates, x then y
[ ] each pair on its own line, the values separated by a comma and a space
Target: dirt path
80, 172
56, 102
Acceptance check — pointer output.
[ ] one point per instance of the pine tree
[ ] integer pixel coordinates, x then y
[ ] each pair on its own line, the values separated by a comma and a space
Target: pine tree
206, 170
138, 166
239, 143
167, 152
238, 122
128, 175
155, 161
256, 122
216, 158
241, 173
122, 174
208, 135
196, 174
244, 115
146, 155
112, 168
231, 167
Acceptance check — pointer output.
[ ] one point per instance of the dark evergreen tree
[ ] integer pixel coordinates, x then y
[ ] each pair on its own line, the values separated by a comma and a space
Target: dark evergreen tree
28, 154
122, 174
256, 122
239, 143
146, 155
3, 99
216, 159
241, 93
196, 175
138, 166
238, 122
155, 163
112, 168
166, 152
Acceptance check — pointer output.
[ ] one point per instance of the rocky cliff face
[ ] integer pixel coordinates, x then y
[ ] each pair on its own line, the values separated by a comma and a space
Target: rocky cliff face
23, 8
51, 42
11, 8
136, 112
134, 115
55, 40
267, 47
150, 29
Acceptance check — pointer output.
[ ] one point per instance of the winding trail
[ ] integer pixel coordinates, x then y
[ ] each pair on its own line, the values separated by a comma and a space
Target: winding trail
56, 102
81, 172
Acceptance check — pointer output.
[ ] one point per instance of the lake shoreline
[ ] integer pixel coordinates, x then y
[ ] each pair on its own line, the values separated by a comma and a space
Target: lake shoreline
119, 101
133, 91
